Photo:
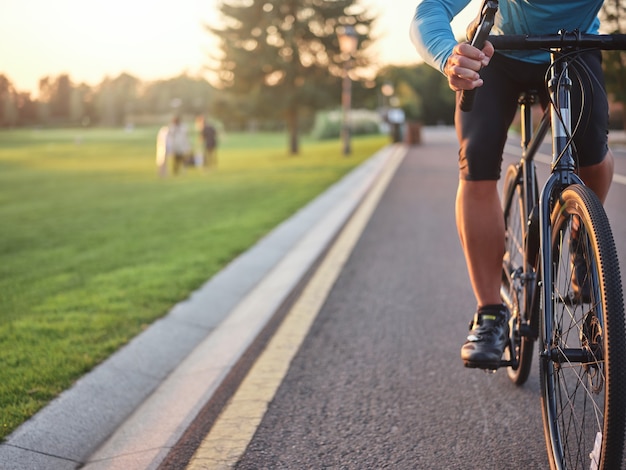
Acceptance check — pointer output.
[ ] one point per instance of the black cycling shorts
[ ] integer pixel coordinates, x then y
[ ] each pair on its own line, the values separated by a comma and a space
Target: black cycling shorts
482, 132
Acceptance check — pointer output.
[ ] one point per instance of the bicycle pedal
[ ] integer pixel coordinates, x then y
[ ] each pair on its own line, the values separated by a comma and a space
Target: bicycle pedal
527, 332
485, 367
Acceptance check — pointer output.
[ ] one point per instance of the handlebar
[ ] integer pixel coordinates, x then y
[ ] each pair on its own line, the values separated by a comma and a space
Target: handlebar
605, 42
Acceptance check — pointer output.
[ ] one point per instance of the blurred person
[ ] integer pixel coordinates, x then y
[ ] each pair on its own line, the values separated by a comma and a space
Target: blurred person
178, 146
161, 151
208, 141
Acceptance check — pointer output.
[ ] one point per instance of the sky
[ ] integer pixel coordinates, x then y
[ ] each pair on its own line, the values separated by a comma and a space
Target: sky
92, 39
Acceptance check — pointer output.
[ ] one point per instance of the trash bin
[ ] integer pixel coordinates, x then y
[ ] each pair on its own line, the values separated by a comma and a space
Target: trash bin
413, 133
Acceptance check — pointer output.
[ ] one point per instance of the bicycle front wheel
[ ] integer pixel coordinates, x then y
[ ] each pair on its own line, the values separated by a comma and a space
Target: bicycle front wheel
583, 364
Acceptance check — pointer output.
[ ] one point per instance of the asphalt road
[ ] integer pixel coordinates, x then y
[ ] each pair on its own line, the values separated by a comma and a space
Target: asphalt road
378, 381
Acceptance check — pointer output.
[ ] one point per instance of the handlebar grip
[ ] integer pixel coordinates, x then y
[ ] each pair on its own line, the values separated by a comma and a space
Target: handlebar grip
481, 33
467, 96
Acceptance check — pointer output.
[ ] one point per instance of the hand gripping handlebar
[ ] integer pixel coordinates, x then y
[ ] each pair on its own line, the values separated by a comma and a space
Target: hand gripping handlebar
480, 35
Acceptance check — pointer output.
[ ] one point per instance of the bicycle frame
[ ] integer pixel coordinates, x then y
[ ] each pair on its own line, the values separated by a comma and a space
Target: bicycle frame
538, 275
556, 117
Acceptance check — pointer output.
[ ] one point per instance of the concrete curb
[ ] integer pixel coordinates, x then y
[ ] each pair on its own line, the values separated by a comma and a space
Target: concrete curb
130, 410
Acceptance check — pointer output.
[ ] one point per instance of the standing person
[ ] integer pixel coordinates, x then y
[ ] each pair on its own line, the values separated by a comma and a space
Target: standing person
177, 143
482, 132
208, 139
161, 150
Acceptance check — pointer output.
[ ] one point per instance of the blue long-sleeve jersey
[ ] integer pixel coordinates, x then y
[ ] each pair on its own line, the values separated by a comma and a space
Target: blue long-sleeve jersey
434, 40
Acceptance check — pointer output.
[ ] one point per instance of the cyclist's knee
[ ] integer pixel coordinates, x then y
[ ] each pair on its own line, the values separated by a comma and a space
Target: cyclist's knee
481, 165
599, 176
481, 189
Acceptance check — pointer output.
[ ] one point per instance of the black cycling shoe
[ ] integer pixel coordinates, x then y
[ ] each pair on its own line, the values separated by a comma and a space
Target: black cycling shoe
489, 335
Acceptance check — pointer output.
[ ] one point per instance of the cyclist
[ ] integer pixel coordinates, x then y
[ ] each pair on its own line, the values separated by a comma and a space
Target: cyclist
482, 132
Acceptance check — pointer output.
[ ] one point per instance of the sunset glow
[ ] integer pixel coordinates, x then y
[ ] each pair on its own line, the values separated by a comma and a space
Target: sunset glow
89, 40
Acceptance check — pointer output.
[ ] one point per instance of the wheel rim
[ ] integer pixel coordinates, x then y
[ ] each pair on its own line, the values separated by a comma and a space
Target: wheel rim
512, 289
574, 357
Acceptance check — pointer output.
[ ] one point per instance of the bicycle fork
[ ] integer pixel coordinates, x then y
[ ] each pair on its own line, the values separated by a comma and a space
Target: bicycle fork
562, 175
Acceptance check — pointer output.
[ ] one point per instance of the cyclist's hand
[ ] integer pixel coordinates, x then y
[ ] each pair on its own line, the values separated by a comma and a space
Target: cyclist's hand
464, 64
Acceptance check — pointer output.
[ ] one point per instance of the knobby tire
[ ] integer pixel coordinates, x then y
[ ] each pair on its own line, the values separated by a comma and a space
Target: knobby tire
583, 365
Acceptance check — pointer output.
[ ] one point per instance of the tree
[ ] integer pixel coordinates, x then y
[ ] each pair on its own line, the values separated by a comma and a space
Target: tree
26, 109
116, 98
60, 98
422, 91
56, 96
8, 110
81, 105
192, 95
45, 92
613, 16
280, 57
410, 101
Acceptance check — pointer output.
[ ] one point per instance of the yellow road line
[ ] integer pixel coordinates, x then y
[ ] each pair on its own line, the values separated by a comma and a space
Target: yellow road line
234, 428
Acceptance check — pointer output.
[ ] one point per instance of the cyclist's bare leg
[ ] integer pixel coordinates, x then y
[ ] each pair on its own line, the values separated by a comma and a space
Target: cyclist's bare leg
598, 177
481, 229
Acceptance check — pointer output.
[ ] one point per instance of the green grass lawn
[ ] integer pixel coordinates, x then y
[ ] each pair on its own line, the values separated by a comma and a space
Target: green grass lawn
94, 246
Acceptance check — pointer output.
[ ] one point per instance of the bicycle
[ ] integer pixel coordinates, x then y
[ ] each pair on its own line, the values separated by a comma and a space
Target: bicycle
575, 313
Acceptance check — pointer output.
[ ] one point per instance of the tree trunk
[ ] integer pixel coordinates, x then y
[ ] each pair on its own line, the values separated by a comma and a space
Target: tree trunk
292, 129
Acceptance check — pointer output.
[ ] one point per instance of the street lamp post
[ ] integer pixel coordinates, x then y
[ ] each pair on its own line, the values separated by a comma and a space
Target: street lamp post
348, 43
